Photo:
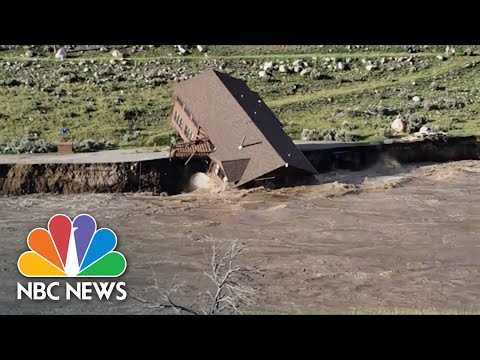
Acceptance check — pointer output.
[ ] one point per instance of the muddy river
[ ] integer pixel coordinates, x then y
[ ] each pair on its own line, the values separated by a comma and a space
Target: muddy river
377, 240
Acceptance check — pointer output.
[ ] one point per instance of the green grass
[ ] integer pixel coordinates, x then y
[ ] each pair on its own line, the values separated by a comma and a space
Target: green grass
370, 85
378, 311
406, 311
132, 116
90, 112
277, 56
311, 110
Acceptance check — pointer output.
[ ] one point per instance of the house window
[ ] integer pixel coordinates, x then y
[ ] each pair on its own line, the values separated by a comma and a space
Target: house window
188, 133
178, 119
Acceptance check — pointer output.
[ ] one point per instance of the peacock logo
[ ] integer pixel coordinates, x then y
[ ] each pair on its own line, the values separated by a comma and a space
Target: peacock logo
72, 249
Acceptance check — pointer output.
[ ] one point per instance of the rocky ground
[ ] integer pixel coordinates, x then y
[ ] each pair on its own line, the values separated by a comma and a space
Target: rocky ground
121, 96
389, 240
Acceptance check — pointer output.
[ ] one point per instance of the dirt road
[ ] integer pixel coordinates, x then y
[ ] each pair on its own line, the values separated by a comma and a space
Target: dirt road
373, 241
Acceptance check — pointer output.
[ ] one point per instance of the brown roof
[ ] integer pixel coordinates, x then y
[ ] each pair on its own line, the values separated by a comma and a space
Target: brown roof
230, 112
234, 169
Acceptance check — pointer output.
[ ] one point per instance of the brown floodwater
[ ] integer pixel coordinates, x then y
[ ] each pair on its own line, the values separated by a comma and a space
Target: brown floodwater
373, 240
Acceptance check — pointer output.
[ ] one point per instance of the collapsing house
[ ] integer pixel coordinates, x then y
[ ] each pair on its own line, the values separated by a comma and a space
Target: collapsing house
219, 118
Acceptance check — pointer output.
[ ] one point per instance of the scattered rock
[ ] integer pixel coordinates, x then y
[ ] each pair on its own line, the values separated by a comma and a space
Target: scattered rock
181, 50
398, 125
268, 66
450, 50
424, 129
441, 57
411, 49
297, 69
371, 67
263, 74
305, 71
61, 54
29, 54
117, 54
300, 63
284, 69
416, 99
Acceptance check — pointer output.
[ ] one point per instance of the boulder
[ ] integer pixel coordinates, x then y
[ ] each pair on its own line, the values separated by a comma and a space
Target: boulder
297, 69
299, 63
268, 66
181, 50
284, 69
117, 54
424, 129
305, 72
61, 54
398, 125
263, 74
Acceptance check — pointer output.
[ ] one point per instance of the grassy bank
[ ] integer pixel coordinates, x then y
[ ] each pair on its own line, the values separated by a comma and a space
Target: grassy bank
125, 103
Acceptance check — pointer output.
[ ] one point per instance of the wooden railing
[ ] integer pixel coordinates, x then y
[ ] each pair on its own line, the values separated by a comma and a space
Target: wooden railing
198, 148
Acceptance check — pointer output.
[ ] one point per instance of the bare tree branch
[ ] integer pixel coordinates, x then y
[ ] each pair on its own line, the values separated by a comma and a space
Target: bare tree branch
231, 289
166, 296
